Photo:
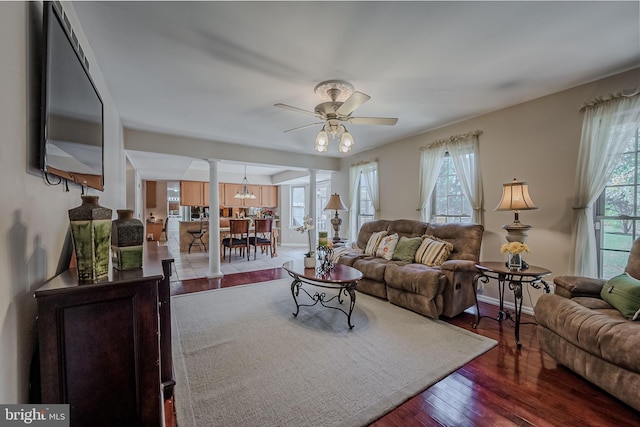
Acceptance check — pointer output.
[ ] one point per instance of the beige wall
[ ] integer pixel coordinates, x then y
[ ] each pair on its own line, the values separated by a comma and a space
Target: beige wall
536, 142
34, 222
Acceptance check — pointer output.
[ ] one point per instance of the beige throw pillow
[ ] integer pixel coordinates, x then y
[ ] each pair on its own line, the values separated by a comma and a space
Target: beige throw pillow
374, 241
387, 246
433, 251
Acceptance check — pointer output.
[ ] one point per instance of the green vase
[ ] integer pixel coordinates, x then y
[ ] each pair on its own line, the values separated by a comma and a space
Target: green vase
91, 232
127, 238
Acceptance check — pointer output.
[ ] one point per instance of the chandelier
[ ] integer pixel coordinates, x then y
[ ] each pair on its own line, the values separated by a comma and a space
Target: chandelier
337, 131
243, 191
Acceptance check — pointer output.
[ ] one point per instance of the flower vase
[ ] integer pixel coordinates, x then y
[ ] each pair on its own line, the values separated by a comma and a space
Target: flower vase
310, 261
127, 239
91, 233
515, 262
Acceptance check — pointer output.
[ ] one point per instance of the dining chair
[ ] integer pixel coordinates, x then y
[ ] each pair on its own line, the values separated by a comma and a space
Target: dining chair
261, 236
197, 235
238, 237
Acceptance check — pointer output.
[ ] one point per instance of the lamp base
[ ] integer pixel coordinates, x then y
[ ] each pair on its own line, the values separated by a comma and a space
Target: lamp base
336, 221
516, 232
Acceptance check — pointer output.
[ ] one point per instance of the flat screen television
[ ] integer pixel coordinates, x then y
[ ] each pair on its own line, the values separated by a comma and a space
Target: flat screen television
72, 121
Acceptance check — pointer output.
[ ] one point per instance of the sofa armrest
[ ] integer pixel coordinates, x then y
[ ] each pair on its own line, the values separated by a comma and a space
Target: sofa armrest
458, 293
459, 265
578, 286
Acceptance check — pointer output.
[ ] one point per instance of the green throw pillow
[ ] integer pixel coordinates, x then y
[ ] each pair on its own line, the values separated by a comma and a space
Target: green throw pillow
623, 293
406, 248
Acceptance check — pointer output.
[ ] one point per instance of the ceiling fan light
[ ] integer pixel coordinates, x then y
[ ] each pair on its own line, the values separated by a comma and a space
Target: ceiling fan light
347, 139
343, 148
322, 138
322, 148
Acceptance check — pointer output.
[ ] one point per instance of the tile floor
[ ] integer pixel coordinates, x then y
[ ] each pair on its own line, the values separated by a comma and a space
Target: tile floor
196, 264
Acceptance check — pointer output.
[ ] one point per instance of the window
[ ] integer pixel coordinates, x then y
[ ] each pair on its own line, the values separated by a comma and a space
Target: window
449, 204
323, 192
617, 212
365, 207
298, 197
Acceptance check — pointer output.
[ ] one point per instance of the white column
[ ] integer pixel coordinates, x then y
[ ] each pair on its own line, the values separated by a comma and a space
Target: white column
312, 207
214, 221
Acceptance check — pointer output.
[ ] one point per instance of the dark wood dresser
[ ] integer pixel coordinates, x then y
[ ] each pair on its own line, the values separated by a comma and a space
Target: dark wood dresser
105, 348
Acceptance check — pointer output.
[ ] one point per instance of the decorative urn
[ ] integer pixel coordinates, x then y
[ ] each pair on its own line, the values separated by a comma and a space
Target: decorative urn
91, 232
127, 239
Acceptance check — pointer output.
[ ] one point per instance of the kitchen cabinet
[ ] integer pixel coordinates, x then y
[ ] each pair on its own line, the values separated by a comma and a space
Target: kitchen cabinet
230, 191
150, 187
192, 193
269, 196
205, 193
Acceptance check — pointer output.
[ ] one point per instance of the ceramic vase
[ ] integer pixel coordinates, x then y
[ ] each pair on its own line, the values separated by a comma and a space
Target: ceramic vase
127, 238
91, 232
514, 262
310, 261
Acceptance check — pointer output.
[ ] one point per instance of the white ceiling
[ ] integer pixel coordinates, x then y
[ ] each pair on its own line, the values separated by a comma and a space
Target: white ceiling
213, 70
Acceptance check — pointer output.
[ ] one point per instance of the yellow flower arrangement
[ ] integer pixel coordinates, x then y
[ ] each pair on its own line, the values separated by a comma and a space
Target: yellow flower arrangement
514, 248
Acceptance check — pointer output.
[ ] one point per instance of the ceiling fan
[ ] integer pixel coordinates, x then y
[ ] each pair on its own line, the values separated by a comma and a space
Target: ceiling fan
340, 101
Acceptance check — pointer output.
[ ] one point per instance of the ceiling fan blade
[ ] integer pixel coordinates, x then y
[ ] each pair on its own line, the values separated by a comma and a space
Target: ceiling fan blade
296, 109
389, 121
354, 101
305, 126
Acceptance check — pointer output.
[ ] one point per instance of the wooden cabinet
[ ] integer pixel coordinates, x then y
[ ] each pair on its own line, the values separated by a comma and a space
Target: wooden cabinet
269, 196
266, 196
205, 194
151, 201
105, 348
192, 193
196, 193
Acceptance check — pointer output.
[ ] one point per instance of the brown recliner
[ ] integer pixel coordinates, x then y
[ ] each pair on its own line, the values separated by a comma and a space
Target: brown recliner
587, 335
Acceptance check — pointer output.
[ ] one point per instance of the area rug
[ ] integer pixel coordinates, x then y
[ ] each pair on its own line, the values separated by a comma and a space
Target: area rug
242, 359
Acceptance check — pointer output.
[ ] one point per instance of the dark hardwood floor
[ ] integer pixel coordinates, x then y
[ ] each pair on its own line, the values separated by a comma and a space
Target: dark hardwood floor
506, 386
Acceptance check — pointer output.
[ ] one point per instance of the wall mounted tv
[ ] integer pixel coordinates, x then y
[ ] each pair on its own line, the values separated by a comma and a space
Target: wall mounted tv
72, 122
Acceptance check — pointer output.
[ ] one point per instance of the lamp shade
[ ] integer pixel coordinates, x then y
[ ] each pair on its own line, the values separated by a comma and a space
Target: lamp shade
335, 203
515, 197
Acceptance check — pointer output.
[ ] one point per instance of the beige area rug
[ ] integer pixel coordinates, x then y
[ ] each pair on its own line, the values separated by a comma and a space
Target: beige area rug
242, 359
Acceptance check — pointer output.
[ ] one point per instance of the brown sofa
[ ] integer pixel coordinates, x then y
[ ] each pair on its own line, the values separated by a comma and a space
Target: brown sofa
432, 291
587, 335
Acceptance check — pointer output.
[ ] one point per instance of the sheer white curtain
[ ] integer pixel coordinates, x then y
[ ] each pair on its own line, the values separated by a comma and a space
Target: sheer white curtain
463, 150
430, 163
606, 130
464, 155
370, 172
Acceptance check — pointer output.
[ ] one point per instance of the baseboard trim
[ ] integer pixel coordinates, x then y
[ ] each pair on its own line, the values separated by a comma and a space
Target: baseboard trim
509, 305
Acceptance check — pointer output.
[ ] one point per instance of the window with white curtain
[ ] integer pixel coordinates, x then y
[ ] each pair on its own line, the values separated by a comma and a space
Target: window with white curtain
365, 207
450, 180
617, 212
449, 204
298, 198
364, 198
323, 192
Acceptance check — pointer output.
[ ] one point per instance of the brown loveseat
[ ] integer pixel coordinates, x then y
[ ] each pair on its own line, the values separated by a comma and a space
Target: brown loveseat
589, 336
432, 291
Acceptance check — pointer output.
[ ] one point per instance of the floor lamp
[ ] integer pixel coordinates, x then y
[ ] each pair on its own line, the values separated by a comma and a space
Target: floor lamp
335, 203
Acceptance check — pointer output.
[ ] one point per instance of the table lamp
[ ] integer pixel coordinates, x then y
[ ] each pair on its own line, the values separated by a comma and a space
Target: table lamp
335, 203
516, 198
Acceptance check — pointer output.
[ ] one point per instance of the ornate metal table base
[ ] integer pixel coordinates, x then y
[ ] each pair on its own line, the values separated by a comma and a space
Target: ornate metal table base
321, 297
514, 279
340, 278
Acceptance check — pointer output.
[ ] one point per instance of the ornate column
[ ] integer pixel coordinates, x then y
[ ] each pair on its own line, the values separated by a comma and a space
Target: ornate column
214, 221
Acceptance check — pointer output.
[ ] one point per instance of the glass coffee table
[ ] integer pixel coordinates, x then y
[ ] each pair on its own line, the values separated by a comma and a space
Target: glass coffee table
341, 278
